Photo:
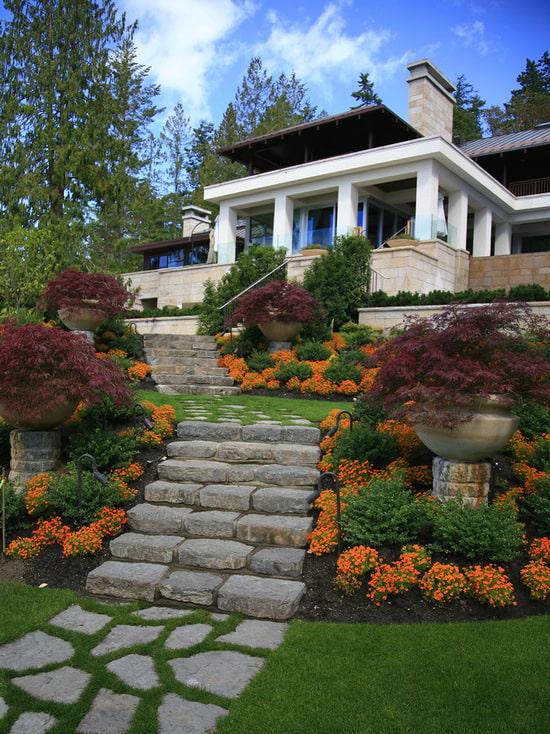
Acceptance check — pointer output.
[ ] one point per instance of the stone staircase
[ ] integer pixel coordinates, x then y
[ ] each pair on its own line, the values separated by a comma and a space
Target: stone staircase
187, 364
225, 524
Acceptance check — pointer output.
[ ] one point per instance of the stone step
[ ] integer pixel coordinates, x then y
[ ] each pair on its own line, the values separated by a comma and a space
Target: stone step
242, 498
257, 433
193, 379
219, 472
262, 597
246, 452
198, 389
150, 548
256, 597
179, 341
178, 368
290, 530
185, 356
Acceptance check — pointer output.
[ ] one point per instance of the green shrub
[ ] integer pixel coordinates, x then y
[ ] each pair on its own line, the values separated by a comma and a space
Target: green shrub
356, 335
259, 361
386, 512
319, 331
340, 279
250, 266
312, 352
528, 292
341, 370
365, 443
113, 333
484, 533
369, 409
110, 449
541, 456
105, 415
14, 503
301, 370
62, 495
534, 419
538, 506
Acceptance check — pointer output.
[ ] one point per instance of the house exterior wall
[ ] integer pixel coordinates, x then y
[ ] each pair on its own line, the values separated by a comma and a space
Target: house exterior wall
391, 317
505, 271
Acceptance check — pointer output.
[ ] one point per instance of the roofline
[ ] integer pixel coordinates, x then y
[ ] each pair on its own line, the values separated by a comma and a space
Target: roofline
320, 121
163, 244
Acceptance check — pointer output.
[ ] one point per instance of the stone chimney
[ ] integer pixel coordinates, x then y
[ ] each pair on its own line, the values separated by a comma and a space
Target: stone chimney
431, 100
195, 220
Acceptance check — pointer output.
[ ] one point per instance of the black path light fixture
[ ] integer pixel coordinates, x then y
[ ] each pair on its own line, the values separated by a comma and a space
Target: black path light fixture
146, 422
329, 480
335, 427
97, 475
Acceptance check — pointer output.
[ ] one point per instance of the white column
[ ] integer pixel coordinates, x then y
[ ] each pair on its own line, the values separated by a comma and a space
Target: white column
458, 219
283, 216
483, 220
226, 234
346, 217
427, 200
503, 238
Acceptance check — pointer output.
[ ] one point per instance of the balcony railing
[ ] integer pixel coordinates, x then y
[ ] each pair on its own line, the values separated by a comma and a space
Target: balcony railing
531, 187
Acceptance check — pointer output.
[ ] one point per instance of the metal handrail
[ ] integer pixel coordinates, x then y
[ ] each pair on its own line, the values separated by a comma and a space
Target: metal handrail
225, 306
250, 287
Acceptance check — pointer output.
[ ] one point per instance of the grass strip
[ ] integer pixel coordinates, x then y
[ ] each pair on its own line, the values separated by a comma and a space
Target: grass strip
218, 408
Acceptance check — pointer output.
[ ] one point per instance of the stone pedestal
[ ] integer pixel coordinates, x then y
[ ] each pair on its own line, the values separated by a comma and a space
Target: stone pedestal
33, 452
466, 481
279, 346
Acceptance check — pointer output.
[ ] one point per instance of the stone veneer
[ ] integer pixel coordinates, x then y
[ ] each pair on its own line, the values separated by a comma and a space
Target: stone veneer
504, 271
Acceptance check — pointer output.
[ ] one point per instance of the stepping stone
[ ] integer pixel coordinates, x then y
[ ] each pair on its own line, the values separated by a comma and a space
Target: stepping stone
111, 713
156, 518
256, 633
137, 547
126, 580
77, 619
224, 673
211, 553
187, 636
258, 597
193, 587
137, 671
278, 562
33, 651
32, 722
3, 708
63, 685
126, 635
176, 715
153, 614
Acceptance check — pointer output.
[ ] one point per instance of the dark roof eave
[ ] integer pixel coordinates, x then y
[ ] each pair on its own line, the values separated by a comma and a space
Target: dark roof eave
146, 248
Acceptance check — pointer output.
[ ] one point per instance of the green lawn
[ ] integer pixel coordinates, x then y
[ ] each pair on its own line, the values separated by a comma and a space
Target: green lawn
459, 678
279, 409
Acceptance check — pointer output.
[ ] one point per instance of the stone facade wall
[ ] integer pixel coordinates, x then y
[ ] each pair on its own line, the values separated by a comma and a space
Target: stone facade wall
390, 317
428, 266
504, 271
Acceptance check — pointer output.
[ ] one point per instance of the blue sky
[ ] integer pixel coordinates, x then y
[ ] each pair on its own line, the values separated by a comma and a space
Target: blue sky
198, 50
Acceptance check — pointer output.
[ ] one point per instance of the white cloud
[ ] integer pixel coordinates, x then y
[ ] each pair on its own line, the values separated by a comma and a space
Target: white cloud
324, 54
186, 44
473, 35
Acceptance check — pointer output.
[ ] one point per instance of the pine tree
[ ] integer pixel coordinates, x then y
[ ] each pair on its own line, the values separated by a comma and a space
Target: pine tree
365, 95
529, 105
54, 57
467, 120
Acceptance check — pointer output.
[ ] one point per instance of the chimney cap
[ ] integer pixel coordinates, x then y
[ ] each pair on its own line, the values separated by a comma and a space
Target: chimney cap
425, 69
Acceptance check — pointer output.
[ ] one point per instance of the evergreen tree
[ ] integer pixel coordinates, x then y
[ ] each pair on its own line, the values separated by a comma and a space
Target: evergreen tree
54, 57
124, 168
365, 95
529, 105
467, 120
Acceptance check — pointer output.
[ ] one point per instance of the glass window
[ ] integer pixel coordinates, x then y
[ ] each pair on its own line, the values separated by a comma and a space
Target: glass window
320, 226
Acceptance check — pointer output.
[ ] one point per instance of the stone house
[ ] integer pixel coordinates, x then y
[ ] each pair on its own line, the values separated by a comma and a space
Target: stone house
479, 212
